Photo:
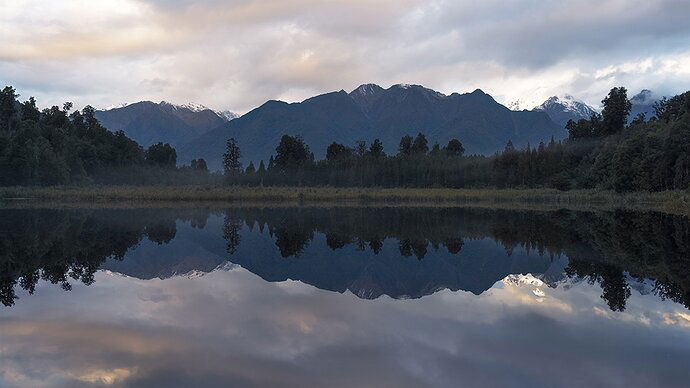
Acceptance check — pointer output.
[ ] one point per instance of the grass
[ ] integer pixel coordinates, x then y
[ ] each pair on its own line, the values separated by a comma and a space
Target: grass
669, 201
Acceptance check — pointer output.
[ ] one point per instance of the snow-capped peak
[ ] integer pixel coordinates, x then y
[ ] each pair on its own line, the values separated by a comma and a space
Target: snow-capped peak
116, 106
567, 103
194, 107
226, 115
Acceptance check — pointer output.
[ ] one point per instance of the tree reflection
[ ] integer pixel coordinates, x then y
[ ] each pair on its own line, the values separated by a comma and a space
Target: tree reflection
609, 248
63, 245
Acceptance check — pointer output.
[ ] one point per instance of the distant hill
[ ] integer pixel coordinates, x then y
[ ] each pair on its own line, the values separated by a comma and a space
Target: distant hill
562, 109
148, 122
370, 111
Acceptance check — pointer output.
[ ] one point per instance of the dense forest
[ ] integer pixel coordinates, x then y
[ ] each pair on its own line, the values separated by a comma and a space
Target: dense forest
601, 152
53, 147
59, 146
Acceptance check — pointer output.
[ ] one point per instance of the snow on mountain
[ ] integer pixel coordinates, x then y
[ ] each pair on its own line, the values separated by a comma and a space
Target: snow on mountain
562, 109
194, 107
567, 103
227, 115
116, 106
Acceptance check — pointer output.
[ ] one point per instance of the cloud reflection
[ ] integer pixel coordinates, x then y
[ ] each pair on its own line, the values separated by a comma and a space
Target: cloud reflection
230, 328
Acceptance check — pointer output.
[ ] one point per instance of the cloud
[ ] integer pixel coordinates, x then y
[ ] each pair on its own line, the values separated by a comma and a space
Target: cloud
238, 54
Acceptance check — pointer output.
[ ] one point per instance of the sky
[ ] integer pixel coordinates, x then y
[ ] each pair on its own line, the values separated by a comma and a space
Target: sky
237, 54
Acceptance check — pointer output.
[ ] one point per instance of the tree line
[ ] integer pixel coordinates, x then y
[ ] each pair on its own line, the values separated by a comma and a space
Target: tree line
601, 152
57, 146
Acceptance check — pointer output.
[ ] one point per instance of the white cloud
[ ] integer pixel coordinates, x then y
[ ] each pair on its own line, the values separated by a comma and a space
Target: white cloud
238, 54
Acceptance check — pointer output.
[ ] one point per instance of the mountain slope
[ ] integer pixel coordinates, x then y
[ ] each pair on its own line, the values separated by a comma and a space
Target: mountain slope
562, 109
148, 122
643, 102
369, 112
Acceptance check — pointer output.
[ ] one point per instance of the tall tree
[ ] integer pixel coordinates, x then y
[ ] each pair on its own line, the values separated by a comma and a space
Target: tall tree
454, 148
163, 155
376, 149
231, 159
616, 110
420, 146
292, 153
405, 147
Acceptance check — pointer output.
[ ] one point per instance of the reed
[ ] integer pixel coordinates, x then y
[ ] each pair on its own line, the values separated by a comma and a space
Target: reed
674, 201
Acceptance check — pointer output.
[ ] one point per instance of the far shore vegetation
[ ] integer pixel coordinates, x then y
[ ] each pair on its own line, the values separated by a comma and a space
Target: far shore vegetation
56, 154
219, 195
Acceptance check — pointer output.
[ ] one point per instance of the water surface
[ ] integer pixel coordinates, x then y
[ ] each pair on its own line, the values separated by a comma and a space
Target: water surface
344, 296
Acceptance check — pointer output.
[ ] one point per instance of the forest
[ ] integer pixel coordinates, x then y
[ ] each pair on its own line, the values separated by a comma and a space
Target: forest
603, 152
58, 146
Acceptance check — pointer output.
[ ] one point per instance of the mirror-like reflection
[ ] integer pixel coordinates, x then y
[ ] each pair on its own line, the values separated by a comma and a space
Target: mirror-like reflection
344, 296
368, 251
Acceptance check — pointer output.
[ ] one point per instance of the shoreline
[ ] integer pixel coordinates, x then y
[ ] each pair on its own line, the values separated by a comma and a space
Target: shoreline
677, 202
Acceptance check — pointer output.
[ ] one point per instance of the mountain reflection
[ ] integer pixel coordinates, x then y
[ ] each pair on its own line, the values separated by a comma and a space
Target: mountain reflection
399, 252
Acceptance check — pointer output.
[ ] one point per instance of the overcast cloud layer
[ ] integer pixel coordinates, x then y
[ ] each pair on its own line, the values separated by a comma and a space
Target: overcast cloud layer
237, 54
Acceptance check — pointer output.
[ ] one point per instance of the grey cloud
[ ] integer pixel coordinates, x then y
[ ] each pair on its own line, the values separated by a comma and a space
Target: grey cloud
238, 54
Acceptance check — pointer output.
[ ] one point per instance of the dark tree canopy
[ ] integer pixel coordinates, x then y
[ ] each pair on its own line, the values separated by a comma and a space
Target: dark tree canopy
292, 153
163, 155
231, 159
616, 110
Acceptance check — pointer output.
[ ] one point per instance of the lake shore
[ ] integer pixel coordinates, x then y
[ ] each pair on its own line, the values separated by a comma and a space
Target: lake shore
669, 201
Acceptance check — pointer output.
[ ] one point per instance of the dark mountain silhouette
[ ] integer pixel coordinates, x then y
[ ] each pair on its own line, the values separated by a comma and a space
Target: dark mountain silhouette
369, 112
149, 123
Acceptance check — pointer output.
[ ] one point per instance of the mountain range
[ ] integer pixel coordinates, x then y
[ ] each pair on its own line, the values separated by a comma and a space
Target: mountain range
368, 112
148, 122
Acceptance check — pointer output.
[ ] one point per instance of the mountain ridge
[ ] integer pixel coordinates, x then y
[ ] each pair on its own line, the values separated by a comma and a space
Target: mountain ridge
370, 111
148, 122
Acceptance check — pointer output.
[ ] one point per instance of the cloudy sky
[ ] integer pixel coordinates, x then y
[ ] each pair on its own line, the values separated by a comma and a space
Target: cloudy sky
236, 54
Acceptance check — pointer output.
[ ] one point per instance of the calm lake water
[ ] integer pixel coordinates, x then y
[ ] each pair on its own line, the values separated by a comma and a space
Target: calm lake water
343, 297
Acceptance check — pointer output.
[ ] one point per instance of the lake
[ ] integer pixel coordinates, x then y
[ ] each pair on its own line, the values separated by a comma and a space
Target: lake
343, 296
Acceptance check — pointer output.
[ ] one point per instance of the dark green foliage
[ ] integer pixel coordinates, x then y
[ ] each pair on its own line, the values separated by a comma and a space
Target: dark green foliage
376, 149
199, 164
649, 155
405, 147
50, 147
615, 113
162, 155
420, 146
250, 169
292, 153
454, 148
231, 159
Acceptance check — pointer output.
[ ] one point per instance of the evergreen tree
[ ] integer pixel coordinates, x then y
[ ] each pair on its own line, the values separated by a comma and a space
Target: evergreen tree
163, 155
250, 169
231, 159
616, 110
454, 148
405, 148
420, 146
376, 149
